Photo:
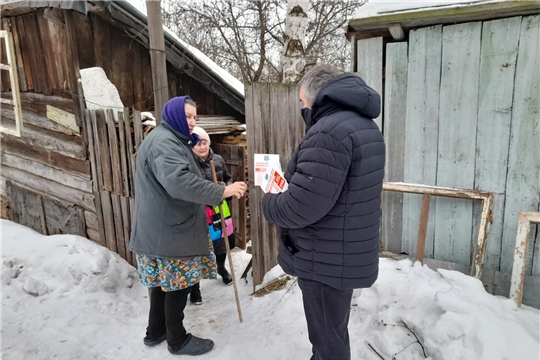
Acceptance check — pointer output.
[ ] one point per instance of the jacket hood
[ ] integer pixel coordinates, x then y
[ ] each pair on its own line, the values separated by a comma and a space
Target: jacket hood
345, 92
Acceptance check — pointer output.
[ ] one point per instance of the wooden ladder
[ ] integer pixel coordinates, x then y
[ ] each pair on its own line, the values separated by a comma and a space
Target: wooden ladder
14, 79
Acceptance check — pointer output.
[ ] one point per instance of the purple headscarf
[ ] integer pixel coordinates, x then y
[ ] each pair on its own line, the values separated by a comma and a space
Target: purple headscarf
174, 114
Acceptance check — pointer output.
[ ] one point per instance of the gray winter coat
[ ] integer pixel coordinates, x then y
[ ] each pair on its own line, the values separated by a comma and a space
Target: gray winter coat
169, 219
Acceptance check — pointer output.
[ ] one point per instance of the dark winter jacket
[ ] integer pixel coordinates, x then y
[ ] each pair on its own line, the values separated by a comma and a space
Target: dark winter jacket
330, 214
169, 219
222, 174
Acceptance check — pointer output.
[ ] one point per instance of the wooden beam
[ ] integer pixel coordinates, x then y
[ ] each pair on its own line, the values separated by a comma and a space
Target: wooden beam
396, 31
443, 15
157, 56
424, 215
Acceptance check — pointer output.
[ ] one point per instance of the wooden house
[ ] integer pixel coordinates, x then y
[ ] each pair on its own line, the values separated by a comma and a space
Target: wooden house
64, 168
461, 109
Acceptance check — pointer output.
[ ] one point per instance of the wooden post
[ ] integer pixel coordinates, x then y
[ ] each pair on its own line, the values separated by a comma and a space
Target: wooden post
157, 56
224, 231
424, 215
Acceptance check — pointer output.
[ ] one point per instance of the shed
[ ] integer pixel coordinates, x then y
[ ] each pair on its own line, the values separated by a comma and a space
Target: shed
461, 109
70, 169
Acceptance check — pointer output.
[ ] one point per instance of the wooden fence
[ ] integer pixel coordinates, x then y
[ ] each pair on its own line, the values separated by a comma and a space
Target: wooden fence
274, 126
112, 146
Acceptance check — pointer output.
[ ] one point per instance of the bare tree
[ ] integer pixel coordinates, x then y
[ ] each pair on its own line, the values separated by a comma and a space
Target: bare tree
246, 37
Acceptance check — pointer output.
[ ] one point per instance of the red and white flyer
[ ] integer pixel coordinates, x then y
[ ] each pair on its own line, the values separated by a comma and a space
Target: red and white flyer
273, 181
261, 162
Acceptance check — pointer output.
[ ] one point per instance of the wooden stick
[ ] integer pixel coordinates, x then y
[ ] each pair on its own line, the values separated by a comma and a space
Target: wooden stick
226, 237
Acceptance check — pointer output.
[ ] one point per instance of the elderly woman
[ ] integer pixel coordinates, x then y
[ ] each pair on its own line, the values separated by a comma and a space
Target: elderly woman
169, 230
204, 156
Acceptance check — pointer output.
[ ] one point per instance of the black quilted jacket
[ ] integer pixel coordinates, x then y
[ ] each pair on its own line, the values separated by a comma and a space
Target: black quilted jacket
329, 217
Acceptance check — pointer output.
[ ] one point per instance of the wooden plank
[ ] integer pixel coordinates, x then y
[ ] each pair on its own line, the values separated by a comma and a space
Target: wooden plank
354, 52
58, 49
102, 145
25, 206
121, 75
91, 220
63, 118
370, 66
17, 146
395, 106
118, 225
426, 199
90, 121
64, 218
102, 48
48, 61
130, 151
25, 52
36, 49
457, 140
93, 235
522, 180
73, 67
84, 39
36, 120
137, 129
56, 142
49, 187
18, 56
253, 120
46, 172
123, 153
126, 223
137, 74
421, 131
108, 220
116, 170
498, 57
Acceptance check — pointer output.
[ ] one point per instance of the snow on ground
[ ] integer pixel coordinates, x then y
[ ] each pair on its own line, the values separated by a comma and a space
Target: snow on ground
64, 297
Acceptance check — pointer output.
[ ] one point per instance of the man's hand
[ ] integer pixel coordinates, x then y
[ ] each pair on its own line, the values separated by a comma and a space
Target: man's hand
236, 189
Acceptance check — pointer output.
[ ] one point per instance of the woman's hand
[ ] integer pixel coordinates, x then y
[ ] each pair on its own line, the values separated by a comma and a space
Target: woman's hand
236, 189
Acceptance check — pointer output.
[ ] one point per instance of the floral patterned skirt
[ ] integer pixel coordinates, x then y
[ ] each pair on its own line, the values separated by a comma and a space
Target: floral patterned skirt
174, 275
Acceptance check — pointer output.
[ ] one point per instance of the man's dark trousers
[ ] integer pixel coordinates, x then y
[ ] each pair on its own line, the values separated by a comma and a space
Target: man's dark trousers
327, 313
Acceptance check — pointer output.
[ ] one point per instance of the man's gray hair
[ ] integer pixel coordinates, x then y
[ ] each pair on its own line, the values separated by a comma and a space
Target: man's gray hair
315, 78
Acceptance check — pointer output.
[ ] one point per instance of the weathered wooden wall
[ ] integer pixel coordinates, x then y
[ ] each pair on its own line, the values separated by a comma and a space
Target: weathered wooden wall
461, 110
274, 126
127, 62
48, 160
82, 174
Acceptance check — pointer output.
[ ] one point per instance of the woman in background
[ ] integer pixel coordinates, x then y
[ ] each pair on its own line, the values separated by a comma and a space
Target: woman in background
204, 155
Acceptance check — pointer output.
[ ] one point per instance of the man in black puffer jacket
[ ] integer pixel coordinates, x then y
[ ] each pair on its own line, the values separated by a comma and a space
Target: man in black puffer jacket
329, 216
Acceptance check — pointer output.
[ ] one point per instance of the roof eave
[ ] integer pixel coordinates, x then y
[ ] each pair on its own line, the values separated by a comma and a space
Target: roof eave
410, 19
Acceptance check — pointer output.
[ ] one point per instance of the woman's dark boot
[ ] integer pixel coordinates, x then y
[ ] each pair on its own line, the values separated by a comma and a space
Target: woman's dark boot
227, 278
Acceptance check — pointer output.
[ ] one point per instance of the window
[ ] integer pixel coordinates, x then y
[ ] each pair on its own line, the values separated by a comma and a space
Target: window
11, 67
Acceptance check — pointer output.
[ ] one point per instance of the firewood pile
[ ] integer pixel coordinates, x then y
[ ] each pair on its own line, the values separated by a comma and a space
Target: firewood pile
213, 124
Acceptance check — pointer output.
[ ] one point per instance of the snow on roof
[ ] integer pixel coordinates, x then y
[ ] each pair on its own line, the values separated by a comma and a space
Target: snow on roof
384, 7
140, 6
